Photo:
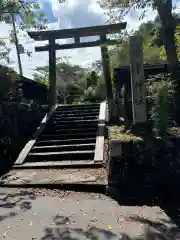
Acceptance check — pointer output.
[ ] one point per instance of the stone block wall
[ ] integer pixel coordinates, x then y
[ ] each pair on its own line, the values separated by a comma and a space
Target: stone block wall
140, 164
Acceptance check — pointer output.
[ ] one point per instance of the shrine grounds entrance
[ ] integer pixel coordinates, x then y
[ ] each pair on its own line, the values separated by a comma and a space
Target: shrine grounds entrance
76, 34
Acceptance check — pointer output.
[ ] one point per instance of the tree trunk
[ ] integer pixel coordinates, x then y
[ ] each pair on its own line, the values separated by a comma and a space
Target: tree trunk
168, 28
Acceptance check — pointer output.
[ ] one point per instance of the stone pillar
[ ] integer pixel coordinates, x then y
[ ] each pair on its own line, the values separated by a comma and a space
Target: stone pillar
52, 98
137, 80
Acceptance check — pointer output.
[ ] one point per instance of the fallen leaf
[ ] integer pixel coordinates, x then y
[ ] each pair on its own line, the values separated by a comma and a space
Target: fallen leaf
93, 220
156, 207
30, 224
110, 226
121, 219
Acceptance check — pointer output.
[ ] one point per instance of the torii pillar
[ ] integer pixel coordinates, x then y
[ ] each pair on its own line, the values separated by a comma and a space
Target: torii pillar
52, 96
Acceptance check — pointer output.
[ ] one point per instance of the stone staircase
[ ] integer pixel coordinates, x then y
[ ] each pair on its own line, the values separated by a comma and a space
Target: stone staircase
69, 137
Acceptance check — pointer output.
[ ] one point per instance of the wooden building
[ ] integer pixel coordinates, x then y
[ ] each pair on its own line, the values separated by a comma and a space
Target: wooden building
33, 92
121, 75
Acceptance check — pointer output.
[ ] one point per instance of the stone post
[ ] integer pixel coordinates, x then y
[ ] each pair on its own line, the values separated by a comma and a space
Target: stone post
137, 80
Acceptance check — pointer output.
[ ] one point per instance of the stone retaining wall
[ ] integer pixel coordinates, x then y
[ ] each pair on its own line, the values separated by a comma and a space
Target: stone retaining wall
134, 164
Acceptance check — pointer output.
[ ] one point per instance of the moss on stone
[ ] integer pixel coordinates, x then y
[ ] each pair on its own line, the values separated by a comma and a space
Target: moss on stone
174, 131
116, 132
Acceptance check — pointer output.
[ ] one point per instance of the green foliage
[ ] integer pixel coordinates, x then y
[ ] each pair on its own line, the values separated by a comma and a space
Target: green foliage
96, 66
118, 9
63, 69
78, 87
177, 39
90, 94
41, 75
4, 50
160, 94
7, 76
31, 18
119, 55
30, 13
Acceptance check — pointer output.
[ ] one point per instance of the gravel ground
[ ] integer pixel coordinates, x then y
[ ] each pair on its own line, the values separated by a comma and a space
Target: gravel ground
61, 194
50, 176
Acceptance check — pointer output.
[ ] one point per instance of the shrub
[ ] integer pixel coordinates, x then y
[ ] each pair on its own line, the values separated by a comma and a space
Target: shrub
160, 90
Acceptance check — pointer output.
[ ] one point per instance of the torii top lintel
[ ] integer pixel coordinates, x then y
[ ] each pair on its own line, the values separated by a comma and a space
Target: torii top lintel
78, 32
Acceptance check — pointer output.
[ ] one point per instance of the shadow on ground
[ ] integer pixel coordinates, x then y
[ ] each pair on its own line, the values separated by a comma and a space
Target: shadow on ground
61, 231
154, 194
21, 199
154, 230
143, 195
162, 229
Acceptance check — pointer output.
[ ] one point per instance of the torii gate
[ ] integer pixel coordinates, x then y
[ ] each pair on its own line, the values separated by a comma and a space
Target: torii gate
77, 33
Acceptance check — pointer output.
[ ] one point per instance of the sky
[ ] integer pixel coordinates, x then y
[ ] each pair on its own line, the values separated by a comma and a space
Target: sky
71, 14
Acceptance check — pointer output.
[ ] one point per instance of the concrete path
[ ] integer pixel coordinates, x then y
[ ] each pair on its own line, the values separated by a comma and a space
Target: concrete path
27, 215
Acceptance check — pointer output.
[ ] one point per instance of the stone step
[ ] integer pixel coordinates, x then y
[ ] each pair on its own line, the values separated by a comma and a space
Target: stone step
69, 130
67, 136
76, 111
72, 122
66, 141
58, 164
72, 118
52, 126
79, 109
80, 114
59, 156
71, 147
79, 106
